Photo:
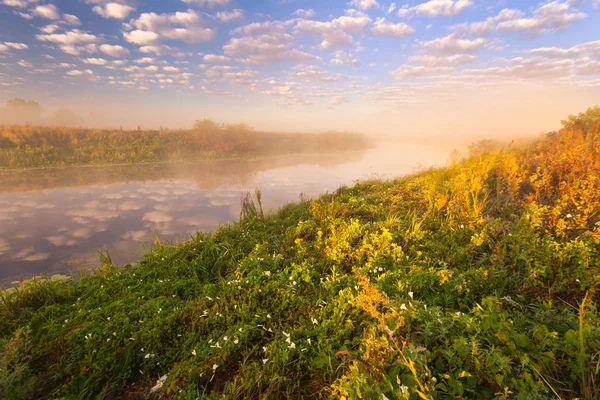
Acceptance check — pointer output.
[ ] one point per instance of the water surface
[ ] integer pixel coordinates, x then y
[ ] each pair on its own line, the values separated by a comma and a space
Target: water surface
52, 221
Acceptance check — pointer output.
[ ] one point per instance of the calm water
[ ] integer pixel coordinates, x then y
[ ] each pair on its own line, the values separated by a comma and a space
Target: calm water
53, 221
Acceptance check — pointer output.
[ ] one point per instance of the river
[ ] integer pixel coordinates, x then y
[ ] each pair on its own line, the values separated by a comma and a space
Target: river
53, 221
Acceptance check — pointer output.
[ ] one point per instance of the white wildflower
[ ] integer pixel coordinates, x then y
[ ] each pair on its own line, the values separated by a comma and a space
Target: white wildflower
194, 352
411, 294
403, 307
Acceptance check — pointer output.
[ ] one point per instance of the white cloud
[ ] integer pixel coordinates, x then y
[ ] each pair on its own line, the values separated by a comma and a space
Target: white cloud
535, 68
186, 26
343, 58
381, 27
162, 50
140, 37
213, 58
114, 51
443, 61
434, 8
391, 8
208, 3
420, 71
555, 16
335, 34
226, 16
596, 4
49, 11
25, 64
113, 10
76, 72
11, 45
315, 73
18, 3
364, 4
338, 100
452, 44
95, 61
265, 43
72, 37
589, 68
588, 48
71, 19
145, 60
306, 13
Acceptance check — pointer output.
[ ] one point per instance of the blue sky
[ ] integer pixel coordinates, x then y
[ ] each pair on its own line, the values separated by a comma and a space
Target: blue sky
422, 67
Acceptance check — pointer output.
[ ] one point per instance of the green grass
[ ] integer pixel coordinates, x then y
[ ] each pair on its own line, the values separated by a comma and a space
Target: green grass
479, 280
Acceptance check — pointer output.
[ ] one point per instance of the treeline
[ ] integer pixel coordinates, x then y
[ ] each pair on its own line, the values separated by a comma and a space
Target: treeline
25, 146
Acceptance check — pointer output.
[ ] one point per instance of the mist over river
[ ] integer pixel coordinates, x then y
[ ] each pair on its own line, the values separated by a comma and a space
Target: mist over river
53, 221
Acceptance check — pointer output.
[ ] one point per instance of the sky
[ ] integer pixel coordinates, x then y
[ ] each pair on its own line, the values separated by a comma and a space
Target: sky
404, 68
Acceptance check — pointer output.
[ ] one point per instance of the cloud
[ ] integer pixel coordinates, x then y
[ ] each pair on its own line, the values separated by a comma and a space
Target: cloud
419, 71
71, 42
335, 34
76, 72
113, 10
305, 13
343, 58
140, 37
338, 100
18, 3
25, 64
589, 48
439, 61
435, 8
226, 16
11, 45
162, 50
114, 51
555, 16
186, 26
364, 4
208, 3
213, 58
452, 44
266, 43
315, 73
48, 11
535, 68
381, 27
94, 61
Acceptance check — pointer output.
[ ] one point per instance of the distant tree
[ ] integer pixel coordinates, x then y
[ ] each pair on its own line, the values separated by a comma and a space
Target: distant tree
23, 111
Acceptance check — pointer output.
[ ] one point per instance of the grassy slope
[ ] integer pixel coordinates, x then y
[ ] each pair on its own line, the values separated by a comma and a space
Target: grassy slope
480, 280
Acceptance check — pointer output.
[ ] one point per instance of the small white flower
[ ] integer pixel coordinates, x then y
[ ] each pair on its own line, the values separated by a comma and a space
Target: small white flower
194, 352
292, 346
107, 340
264, 361
569, 216
147, 355
403, 307
411, 294
309, 342
269, 316
236, 341
314, 321
433, 379
214, 368
108, 318
225, 338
